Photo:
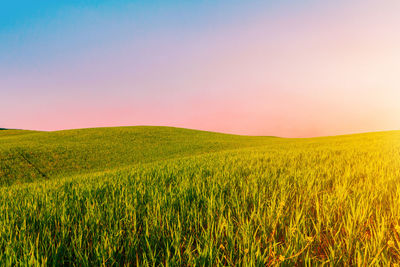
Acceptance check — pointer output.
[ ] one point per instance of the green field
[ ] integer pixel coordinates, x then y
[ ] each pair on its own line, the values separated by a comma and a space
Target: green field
170, 196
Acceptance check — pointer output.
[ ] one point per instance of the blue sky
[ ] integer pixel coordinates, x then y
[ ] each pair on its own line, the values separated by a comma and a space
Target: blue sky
288, 68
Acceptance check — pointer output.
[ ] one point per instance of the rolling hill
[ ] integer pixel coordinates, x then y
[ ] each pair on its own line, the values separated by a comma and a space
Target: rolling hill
170, 196
29, 155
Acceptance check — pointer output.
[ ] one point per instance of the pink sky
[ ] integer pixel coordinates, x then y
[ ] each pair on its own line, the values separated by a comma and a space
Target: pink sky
309, 70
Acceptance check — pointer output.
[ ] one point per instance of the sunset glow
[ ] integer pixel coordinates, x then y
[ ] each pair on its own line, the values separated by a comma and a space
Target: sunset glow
303, 69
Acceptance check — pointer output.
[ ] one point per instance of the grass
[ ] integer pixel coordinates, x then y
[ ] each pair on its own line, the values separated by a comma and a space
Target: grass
168, 196
28, 156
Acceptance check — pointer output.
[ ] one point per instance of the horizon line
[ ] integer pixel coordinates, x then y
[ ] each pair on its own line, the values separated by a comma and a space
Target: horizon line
200, 130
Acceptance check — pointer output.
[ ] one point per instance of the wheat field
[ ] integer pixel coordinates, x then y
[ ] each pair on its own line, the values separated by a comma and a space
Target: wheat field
169, 196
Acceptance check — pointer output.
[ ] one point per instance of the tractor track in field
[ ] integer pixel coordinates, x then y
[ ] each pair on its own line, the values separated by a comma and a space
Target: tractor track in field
21, 154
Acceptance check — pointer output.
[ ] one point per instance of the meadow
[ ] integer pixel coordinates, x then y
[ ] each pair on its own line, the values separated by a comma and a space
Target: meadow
169, 196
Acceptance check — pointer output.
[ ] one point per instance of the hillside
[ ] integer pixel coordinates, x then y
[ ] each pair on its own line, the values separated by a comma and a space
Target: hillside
169, 196
28, 155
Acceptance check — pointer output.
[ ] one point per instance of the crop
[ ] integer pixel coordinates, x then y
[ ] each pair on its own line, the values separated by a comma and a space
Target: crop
152, 196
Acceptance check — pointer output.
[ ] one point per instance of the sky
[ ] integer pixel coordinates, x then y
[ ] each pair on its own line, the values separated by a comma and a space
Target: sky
282, 68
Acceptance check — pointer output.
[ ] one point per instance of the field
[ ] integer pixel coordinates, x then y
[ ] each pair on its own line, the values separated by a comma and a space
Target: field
170, 196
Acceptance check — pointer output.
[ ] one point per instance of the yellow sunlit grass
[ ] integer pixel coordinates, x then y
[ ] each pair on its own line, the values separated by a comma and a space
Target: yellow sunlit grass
238, 200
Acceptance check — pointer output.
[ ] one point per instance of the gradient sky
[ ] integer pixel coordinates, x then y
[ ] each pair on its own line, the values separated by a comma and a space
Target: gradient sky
283, 68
